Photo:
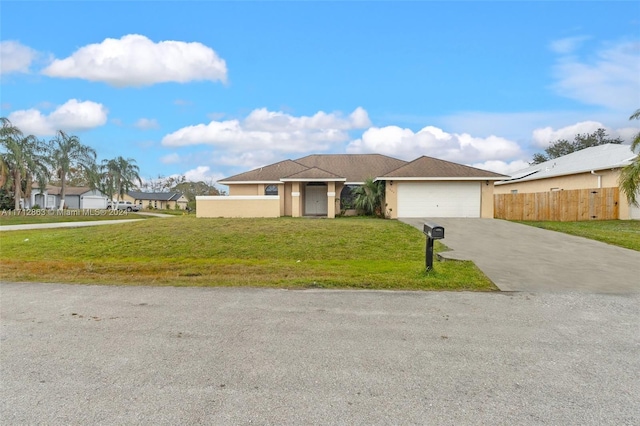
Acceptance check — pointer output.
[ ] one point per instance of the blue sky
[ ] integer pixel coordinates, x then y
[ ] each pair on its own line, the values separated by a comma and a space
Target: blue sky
211, 89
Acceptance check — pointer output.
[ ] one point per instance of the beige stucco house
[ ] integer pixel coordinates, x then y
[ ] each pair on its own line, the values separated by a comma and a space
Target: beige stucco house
157, 200
590, 168
320, 185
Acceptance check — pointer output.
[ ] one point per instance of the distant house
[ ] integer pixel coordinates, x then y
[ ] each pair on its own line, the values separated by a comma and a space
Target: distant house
157, 200
76, 197
590, 168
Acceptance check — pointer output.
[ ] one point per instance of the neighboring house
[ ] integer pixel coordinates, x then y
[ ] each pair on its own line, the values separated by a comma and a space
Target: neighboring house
320, 185
157, 200
76, 197
590, 168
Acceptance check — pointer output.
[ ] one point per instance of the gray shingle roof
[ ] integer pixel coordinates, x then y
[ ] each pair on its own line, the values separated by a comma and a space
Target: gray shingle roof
356, 168
353, 167
313, 173
429, 167
69, 190
270, 173
154, 196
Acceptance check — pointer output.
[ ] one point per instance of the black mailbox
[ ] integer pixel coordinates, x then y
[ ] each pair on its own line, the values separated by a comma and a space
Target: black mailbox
433, 231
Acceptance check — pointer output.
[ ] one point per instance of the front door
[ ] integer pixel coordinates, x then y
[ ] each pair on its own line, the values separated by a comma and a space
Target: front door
315, 201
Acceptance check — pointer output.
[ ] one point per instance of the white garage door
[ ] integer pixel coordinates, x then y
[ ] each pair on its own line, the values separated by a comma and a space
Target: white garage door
439, 199
94, 202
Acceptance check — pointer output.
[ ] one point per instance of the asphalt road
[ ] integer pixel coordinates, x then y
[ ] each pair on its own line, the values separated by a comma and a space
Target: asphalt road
73, 354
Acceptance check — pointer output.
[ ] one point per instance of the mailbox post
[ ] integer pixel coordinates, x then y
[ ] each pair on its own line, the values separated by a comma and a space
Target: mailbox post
433, 231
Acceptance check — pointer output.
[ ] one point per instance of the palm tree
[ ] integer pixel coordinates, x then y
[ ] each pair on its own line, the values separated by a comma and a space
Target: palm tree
23, 160
119, 176
630, 174
67, 152
368, 198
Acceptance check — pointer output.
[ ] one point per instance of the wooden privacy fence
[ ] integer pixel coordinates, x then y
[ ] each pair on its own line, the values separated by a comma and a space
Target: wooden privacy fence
564, 206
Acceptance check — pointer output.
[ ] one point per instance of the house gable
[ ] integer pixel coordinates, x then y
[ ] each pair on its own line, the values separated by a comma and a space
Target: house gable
267, 174
355, 168
429, 168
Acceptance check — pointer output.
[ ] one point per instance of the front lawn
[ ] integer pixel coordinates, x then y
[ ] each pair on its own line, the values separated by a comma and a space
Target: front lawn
23, 217
623, 233
283, 252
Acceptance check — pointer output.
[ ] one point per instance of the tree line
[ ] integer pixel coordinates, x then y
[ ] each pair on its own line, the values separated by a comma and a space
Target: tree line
65, 161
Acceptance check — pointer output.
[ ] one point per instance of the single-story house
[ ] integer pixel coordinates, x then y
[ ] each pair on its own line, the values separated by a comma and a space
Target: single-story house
76, 197
157, 200
590, 168
320, 185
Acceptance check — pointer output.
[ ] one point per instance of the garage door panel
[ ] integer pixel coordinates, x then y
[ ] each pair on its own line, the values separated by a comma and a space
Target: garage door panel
94, 202
439, 199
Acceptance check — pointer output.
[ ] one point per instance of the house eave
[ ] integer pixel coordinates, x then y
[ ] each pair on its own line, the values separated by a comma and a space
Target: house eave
533, 177
313, 179
440, 178
249, 182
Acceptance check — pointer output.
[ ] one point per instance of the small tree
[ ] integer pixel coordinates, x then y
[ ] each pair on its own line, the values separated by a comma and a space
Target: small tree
120, 176
368, 198
23, 160
630, 175
67, 154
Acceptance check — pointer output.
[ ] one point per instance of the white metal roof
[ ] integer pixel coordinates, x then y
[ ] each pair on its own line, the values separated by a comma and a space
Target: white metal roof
602, 157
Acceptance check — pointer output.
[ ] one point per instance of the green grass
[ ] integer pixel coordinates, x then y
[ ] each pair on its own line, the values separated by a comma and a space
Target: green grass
623, 233
171, 212
283, 252
9, 217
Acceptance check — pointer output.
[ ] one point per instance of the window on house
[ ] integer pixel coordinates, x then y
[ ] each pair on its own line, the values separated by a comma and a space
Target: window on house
347, 201
271, 190
514, 191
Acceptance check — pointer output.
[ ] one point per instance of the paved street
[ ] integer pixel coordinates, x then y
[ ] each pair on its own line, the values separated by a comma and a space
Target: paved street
74, 354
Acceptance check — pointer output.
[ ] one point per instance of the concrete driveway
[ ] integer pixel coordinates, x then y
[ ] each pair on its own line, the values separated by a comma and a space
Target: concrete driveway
523, 258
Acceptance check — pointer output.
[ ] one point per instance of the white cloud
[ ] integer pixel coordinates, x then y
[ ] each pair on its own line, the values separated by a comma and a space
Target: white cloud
273, 131
627, 133
248, 160
15, 57
502, 167
170, 159
611, 80
134, 60
201, 173
568, 44
71, 116
543, 137
434, 142
147, 124
272, 121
